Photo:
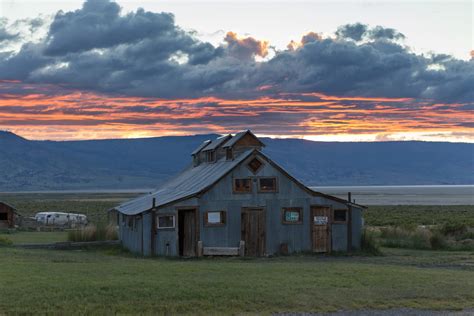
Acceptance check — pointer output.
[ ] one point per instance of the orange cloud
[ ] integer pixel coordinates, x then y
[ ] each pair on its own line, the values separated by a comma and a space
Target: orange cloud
45, 113
246, 46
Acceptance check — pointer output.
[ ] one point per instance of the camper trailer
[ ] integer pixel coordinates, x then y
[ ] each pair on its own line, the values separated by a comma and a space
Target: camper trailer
61, 219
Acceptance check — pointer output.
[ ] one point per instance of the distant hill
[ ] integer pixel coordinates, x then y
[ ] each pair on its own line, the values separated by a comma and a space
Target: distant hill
147, 162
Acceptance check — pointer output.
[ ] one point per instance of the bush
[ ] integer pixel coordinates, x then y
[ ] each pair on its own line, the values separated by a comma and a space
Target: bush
93, 233
369, 242
4, 241
398, 237
454, 229
438, 241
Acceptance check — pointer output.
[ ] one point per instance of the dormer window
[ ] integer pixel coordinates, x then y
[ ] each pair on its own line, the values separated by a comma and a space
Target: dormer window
255, 164
229, 155
211, 156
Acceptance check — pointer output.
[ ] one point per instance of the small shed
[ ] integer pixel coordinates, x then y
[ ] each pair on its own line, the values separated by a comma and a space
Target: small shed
8, 215
235, 200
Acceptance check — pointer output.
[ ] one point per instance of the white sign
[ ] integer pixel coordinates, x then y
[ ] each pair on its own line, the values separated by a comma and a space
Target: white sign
320, 220
214, 217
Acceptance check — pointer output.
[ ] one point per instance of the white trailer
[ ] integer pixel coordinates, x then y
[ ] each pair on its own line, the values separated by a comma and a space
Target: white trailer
61, 219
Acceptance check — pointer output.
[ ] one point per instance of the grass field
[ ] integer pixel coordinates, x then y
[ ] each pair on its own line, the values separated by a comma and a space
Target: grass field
109, 281
400, 215
36, 237
95, 206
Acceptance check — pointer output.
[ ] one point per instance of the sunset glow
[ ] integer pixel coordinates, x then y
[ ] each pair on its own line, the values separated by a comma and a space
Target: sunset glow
101, 70
47, 112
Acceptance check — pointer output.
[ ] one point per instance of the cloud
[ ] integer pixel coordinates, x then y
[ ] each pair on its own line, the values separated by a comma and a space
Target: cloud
5, 35
245, 48
359, 32
352, 31
98, 48
385, 33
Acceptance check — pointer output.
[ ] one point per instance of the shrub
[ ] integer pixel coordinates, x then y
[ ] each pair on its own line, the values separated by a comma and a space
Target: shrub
111, 232
454, 229
398, 237
369, 242
93, 233
4, 241
438, 241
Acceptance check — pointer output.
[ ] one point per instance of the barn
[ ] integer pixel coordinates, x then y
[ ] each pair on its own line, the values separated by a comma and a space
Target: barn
234, 200
8, 215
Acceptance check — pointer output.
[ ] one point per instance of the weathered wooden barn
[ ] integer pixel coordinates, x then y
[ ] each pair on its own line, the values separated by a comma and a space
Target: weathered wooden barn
8, 215
233, 199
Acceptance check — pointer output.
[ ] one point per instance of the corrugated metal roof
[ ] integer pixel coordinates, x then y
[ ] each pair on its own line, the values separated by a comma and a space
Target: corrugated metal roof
217, 142
189, 182
200, 147
238, 136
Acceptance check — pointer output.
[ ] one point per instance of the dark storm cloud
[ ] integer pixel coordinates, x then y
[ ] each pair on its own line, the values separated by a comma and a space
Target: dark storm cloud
388, 33
352, 31
359, 31
146, 54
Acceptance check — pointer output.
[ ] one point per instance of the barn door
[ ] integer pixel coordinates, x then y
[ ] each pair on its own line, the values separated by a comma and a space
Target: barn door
321, 229
253, 231
187, 233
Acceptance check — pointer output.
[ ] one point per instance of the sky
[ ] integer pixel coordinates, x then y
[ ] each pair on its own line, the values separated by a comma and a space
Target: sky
327, 71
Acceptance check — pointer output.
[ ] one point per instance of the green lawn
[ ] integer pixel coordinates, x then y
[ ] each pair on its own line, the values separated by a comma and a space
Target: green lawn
400, 215
21, 237
108, 281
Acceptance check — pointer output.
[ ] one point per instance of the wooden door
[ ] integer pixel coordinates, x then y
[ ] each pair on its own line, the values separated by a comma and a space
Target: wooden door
253, 231
187, 233
321, 229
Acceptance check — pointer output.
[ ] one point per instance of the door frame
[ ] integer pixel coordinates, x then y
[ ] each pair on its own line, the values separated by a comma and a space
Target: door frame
264, 214
195, 209
330, 220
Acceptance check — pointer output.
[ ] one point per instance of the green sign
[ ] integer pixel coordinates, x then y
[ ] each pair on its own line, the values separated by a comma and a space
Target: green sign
292, 216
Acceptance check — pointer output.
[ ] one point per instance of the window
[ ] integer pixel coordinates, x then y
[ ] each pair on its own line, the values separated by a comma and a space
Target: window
130, 222
243, 185
3, 216
211, 156
165, 221
214, 218
255, 164
267, 184
229, 155
340, 215
292, 215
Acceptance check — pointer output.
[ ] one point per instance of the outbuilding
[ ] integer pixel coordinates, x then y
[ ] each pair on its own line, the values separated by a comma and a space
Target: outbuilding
234, 200
8, 215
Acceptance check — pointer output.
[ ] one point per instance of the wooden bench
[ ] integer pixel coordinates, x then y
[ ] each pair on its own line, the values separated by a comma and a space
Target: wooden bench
221, 251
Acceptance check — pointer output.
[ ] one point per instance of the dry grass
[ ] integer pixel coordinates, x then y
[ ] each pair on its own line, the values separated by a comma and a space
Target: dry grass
94, 233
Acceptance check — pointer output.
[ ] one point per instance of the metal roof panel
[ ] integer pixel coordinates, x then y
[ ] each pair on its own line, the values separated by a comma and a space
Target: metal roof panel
189, 182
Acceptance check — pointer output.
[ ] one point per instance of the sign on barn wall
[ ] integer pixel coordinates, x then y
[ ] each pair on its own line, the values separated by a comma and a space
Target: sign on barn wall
320, 220
292, 216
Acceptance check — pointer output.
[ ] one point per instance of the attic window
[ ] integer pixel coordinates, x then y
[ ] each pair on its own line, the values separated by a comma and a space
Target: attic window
211, 156
267, 184
242, 185
255, 165
229, 155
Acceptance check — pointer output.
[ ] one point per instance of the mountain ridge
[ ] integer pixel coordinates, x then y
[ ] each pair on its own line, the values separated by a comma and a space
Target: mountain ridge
147, 162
